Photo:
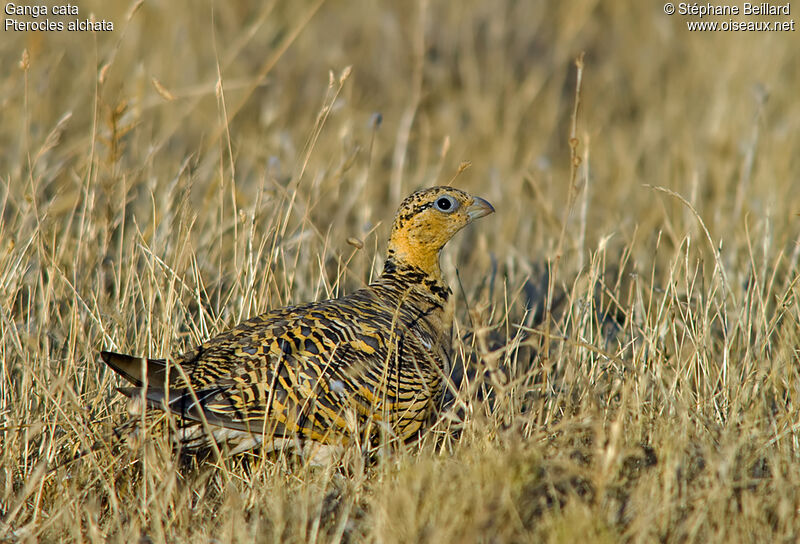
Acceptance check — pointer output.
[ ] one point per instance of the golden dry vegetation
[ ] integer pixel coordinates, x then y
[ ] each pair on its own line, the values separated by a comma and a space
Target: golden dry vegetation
627, 322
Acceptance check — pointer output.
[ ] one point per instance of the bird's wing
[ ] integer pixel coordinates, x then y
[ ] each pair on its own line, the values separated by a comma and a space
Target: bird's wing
319, 370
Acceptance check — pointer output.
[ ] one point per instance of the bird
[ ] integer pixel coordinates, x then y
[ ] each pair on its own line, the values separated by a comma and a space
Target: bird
315, 377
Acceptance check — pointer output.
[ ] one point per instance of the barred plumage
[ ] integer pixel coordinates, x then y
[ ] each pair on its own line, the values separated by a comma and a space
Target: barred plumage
332, 372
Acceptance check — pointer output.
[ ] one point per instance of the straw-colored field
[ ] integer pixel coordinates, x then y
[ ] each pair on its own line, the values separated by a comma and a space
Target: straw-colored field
628, 319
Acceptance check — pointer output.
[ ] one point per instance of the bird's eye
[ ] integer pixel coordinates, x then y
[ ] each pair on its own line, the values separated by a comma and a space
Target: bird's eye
446, 204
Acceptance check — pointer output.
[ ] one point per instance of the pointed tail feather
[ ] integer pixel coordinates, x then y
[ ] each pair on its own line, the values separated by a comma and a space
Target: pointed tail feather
224, 422
176, 398
137, 370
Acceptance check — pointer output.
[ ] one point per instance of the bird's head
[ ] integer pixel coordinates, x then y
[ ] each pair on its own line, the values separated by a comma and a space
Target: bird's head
427, 220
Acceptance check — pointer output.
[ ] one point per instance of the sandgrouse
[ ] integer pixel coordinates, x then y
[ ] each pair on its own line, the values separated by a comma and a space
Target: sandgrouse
330, 373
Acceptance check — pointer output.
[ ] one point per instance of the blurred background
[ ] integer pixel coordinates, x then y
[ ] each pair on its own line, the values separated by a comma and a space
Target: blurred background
237, 99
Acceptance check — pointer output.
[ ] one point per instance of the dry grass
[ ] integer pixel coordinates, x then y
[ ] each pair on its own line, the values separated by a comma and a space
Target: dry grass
198, 165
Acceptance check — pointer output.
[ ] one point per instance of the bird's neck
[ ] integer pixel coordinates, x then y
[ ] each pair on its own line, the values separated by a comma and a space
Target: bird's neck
410, 277
408, 251
421, 299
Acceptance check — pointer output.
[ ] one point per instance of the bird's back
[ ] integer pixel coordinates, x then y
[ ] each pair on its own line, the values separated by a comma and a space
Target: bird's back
332, 371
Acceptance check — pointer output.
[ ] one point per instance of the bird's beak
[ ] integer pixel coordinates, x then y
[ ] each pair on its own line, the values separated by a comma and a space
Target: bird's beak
479, 208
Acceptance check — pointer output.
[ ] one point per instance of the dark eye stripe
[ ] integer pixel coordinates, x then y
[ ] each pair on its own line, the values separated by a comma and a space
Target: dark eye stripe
403, 217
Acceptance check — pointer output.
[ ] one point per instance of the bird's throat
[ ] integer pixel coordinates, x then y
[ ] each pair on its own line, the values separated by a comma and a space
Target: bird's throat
407, 255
